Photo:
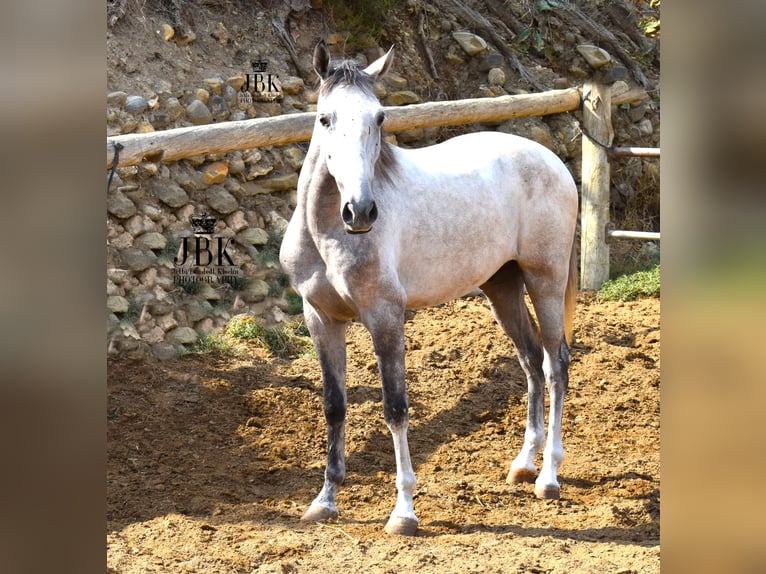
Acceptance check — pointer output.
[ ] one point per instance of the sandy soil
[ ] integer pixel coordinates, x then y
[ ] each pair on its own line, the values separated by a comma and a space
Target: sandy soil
212, 460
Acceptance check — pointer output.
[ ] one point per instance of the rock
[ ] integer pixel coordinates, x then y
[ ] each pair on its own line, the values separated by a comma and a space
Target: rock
470, 43
116, 98
205, 326
280, 183
236, 164
188, 38
637, 112
254, 236
171, 194
167, 32
165, 351
493, 60
214, 84
119, 205
645, 127
402, 98
219, 109
202, 95
229, 96
293, 85
151, 240
236, 221
221, 34
154, 335
616, 73
561, 84
198, 113
138, 259
122, 241
236, 82
209, 293
221, 200
595, 56
174, 109
256, 290
294, 156
167, 322
136, 105
160, 120
619, 87
496, 77
139, 224
216, 172
197, 309
144, 127
395, 81
117, 304
183, 335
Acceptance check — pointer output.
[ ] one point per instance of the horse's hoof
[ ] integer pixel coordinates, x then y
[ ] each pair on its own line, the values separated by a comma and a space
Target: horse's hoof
548, 492
518, 475
317, 513
401, 526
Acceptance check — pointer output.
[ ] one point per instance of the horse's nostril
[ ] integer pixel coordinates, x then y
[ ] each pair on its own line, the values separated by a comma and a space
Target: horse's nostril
373, 212
347, 214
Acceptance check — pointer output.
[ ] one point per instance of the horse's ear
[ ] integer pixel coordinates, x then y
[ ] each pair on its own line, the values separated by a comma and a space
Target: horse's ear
321, 59
380, 67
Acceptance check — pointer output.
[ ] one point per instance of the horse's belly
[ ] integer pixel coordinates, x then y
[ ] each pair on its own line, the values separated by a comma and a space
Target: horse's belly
436, 282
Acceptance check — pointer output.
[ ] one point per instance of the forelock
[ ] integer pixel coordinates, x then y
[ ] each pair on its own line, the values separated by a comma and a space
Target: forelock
347, 73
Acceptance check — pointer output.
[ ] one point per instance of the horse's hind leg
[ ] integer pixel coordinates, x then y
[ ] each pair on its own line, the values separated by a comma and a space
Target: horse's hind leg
329, 338
505, 291
550, 310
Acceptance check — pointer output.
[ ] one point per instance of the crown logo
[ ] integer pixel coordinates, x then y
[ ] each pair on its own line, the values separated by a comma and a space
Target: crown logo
204, 223
259, 65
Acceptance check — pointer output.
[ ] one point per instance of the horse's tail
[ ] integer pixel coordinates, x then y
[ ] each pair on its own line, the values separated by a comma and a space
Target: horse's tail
570, 296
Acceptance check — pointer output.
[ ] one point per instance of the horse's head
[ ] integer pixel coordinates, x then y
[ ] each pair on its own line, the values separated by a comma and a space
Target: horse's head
349, 120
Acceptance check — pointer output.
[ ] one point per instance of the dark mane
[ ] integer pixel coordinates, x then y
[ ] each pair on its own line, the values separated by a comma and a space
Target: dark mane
387, 165
347, 73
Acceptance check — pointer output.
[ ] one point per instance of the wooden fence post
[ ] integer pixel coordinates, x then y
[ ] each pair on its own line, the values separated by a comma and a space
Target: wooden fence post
594, 209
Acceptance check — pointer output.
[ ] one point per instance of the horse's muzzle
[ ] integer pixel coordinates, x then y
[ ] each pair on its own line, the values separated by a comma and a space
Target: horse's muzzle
358, 218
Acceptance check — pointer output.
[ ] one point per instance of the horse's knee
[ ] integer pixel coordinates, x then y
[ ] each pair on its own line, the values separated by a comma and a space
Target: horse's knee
334, 405
556, 367
395, 409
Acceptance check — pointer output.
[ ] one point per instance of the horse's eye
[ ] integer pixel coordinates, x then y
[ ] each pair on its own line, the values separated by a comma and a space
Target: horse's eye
379, 118
324, 119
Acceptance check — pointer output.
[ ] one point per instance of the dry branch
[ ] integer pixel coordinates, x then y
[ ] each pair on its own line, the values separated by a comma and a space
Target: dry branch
424, 45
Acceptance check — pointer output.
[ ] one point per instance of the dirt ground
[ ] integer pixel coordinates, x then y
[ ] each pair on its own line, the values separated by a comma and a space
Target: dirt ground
212, 460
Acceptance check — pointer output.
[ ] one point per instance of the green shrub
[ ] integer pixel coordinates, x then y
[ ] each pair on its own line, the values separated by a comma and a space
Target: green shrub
286, 340
294, 304
212, 343
244, 327
630, 287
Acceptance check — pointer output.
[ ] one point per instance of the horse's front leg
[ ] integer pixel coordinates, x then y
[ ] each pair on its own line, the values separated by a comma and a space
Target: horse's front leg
386, 326
329, 338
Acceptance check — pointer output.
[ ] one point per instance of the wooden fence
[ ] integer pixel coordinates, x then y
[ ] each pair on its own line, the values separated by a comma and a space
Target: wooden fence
174, 144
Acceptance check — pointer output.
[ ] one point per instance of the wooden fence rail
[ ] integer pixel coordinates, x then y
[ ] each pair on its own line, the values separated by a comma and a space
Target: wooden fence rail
174, 144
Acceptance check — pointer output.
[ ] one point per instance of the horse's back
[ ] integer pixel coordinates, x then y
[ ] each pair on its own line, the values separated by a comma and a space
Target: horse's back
475, 202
